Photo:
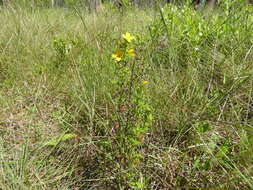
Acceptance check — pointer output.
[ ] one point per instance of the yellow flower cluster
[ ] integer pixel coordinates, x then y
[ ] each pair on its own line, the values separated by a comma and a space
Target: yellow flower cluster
118, 55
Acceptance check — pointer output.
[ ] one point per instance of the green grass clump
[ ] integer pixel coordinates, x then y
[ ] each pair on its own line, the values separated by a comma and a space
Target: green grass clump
141, 100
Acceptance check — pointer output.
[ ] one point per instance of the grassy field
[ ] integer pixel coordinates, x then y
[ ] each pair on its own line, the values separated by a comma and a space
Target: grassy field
144, 99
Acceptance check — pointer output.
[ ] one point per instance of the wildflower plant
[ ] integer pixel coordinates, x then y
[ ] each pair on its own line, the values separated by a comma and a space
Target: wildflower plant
133, 114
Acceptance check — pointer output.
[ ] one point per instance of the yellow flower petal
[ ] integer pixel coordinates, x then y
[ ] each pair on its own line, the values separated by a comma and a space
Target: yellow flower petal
118, 59
144, 82
128, 37
117, 55
131, 52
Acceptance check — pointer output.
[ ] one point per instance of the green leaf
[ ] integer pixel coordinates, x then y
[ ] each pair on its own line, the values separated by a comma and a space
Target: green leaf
55, 140
52, 142
203, 127
68, 136
224, 149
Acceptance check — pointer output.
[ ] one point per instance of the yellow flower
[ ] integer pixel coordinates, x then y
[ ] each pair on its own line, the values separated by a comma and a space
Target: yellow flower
128, 37
117, 55
131, 52
144, 82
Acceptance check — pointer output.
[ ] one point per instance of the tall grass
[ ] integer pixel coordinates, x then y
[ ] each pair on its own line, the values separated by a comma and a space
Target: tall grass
61, 112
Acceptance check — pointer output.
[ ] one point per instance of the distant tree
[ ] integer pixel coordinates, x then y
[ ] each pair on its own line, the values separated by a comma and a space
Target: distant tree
199, 4
94, 4
5, 2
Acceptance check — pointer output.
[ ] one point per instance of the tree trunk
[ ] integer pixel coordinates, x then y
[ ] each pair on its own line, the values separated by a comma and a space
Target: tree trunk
211, 4
5, 3
94, 4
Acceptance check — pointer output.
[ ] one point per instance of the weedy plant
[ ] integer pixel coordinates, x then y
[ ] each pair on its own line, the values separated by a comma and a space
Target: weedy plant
62, 49
132, 116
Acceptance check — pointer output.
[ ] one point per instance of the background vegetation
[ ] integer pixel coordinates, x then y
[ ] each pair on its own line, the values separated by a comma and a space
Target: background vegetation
174, 111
